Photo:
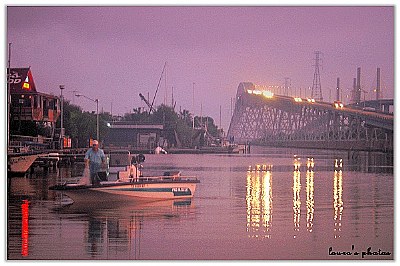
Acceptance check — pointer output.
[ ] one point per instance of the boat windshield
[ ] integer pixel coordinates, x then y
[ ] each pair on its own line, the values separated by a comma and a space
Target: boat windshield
119, 159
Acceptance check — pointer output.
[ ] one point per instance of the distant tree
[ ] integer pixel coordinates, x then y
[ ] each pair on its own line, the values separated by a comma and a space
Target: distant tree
176, 125
81, 126
137, 116
165, 115
206, 123
186, 116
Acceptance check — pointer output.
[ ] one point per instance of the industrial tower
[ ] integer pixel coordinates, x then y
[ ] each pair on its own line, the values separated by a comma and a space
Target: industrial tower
316, 91
357, 87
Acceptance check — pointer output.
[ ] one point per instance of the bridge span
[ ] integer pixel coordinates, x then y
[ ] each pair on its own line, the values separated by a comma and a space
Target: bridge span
264, 118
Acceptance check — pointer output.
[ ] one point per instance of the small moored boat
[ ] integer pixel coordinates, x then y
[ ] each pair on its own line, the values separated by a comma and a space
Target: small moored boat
20, 163
123, 181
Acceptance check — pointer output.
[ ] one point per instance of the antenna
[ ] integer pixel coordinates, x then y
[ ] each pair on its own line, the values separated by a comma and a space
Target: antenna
316, 91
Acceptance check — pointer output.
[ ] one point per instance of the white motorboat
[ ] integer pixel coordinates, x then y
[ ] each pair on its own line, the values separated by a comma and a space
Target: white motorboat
123, 181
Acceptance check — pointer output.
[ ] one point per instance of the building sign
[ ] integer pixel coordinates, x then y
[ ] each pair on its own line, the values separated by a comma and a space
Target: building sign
21, 80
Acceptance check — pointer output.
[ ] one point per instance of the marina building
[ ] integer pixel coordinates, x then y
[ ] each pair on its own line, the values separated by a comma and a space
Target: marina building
133, 136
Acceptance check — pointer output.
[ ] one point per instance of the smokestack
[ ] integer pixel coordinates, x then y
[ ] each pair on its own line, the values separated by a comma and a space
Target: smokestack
358, 85
338, 89
354, 90
378, 83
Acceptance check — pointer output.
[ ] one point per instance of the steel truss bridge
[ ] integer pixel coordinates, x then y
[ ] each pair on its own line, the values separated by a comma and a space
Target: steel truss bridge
275, 120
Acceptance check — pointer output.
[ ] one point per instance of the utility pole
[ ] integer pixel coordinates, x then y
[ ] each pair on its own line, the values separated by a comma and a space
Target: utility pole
287, 86
73, 96
172, 98
201, 115
97, 113
191, 139
165, 85
220, 117
8, 95
316, 92
378, 83
62, 87
193, 105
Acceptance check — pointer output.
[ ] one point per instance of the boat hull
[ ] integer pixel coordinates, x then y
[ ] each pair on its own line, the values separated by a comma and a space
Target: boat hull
130, 191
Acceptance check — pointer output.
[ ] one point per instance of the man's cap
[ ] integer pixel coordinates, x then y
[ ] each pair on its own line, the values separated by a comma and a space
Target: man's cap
95, 142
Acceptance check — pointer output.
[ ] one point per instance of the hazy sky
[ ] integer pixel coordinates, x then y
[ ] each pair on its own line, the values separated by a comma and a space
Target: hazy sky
115, 53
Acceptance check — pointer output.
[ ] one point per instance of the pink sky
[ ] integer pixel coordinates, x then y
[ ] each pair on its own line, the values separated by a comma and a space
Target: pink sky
115, 53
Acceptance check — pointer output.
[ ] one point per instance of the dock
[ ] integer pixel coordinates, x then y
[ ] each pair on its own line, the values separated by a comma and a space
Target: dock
43, 159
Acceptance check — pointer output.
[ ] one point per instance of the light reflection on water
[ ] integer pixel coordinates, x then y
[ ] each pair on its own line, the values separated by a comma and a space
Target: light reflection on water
296, 197
25, 228
310, 198
338, 197
259, 203
295, 209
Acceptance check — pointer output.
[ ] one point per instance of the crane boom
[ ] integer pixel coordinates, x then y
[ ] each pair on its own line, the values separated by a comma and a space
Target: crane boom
158, 86
155, 94
146, 101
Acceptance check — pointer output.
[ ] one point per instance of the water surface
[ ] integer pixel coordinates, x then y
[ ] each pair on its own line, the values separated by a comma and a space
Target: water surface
243, 209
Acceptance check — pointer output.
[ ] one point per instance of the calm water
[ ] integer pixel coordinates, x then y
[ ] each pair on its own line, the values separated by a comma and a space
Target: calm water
311, 213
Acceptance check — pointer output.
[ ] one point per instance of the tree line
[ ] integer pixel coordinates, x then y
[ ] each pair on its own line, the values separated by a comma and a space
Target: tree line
81, 125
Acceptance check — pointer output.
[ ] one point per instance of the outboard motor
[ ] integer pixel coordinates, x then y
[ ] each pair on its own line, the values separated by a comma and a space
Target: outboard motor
140, 158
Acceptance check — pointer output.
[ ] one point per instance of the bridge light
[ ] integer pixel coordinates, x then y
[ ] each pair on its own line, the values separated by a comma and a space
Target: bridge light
268, 94
311, 100
297, 99
338, 163
338, 104
297, 164
310, 163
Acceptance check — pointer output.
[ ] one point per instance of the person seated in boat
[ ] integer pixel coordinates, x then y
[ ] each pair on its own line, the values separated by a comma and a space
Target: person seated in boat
95, 158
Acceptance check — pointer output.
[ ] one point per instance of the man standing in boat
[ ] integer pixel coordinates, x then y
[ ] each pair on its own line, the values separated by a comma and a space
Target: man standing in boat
94, 158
